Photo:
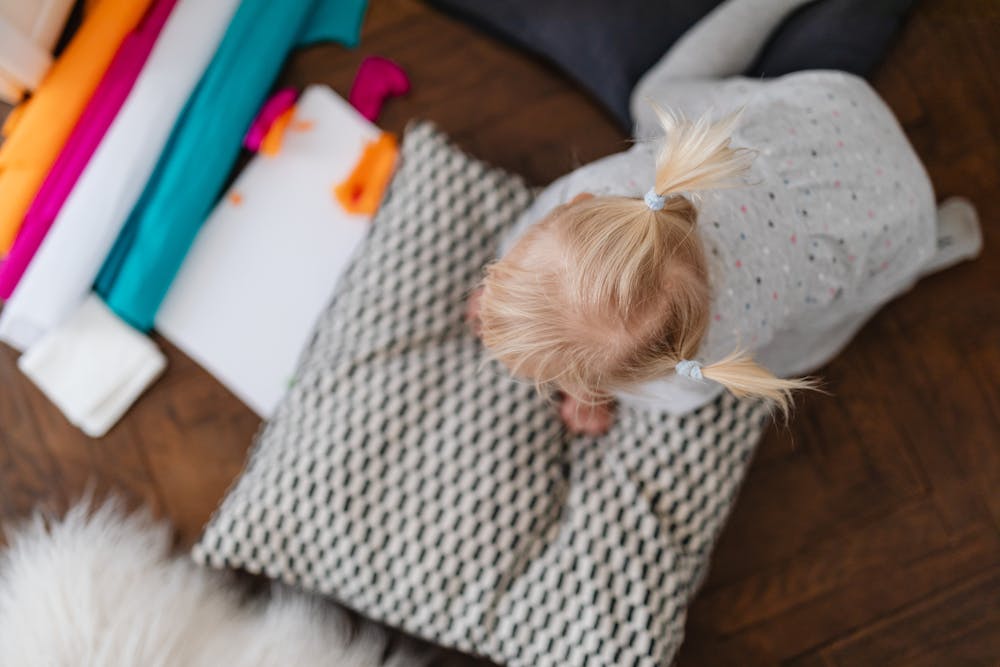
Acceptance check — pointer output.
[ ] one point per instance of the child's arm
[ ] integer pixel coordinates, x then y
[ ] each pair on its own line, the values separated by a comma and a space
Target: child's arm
724, 43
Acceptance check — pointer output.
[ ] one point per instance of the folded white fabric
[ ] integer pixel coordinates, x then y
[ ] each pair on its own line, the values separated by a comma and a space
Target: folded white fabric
93, 367
62, 272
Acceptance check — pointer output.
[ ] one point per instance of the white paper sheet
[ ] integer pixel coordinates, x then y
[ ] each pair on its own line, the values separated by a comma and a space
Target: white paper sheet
267, 260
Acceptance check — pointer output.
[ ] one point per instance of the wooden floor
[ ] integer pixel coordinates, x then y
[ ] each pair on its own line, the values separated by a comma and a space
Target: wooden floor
868, 532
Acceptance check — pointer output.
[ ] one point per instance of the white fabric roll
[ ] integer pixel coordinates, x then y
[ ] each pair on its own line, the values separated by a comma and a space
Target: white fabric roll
28, 33
20, 58
61, 273
41, 21
11, 90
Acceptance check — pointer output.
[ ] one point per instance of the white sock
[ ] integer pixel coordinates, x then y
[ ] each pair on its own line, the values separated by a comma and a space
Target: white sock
958, 234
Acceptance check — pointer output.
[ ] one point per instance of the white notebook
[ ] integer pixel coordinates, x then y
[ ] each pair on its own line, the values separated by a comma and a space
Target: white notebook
266, 262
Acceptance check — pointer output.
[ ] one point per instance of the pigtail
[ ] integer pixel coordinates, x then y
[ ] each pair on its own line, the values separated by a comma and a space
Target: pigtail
635, 240
697, 156
743, 377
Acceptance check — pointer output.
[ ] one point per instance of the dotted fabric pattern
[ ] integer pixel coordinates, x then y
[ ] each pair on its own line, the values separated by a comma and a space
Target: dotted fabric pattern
410, 478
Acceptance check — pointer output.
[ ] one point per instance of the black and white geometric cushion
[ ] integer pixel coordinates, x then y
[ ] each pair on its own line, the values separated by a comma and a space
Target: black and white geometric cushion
411, 479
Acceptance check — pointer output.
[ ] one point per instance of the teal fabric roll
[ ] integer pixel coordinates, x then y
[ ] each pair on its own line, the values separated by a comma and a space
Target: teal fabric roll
205, 144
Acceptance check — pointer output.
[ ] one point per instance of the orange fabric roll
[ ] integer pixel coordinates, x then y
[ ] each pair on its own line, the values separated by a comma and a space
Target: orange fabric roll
36, 133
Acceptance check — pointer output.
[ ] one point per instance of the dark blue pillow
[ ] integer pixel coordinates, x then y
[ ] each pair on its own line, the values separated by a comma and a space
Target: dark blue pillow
849, 35
606, 45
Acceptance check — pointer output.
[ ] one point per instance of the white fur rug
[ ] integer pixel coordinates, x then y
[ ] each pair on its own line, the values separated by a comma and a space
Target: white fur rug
99, 588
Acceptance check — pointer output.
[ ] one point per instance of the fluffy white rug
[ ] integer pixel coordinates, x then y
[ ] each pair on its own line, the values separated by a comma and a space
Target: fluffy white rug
99, 588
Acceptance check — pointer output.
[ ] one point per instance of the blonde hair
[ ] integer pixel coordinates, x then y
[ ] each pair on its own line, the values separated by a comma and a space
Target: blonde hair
607, 293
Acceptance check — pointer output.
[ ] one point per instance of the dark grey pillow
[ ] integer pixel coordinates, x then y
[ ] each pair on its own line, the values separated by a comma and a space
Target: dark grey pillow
606, 46
849, 35
412, 480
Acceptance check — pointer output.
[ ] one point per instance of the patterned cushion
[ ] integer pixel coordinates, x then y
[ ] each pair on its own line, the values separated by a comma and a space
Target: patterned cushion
413, 480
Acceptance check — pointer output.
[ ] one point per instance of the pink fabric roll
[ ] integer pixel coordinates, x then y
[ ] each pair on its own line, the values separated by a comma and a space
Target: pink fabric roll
94, 122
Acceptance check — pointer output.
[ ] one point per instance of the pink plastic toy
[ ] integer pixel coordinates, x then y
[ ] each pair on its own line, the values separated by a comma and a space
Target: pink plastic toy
377, 80
278, 104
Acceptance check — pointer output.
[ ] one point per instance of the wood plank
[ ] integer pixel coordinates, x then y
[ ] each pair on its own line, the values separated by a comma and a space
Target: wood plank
831, 592
960, 626
30, 478
195, 435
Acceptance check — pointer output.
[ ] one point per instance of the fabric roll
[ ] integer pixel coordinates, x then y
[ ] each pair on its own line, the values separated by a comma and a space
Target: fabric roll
21, 60
59, 277
93, 124
11, 90
204, 146
28, 33
41, 21
93, 367
33, 142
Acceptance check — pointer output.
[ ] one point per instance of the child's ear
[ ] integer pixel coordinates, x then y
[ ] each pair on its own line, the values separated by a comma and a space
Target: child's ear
581, 197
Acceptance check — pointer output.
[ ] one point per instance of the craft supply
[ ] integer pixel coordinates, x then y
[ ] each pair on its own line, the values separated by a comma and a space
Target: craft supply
64, 267
22, 62
202, 150
268, 259
35, 135
28, 33
377, 80
280, 102
89, 130
271, 144
362, 190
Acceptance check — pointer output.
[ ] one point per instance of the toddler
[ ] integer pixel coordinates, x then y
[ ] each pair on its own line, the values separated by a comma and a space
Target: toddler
734, 254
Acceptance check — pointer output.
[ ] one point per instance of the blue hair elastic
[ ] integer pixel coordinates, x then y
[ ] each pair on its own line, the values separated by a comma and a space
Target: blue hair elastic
689, 368
654, 201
